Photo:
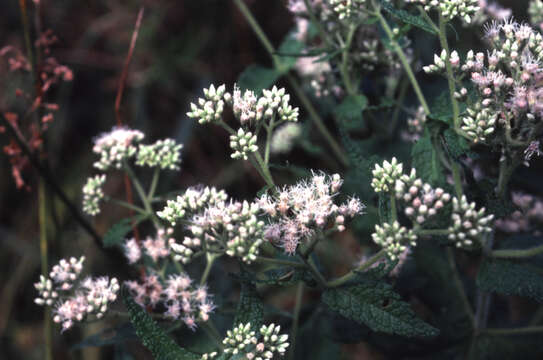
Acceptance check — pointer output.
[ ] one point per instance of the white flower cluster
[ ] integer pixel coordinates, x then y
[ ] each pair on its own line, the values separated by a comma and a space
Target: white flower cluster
75, 299
394, 238
450, 9
211, 106
439, 64
479, 122
299, 210
344, 8
535, 10
178, 295
163, 154
155, 248
468, 224
242, 340
243, 143
422, 201
284, 137
230, 228
93, 194
192, 201
385, 176
116, 147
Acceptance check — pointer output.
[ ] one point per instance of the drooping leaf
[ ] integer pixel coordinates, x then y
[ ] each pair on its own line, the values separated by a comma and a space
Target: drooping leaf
373, 303
509, 278
250, 308
408, 18
256, 78
110, 336
153, 336
426, 161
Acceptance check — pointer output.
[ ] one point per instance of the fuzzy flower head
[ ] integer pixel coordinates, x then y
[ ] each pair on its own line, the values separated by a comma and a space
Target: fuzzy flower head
93, 194
163, 154
385, 176
116, 147
394, 238
468, 224
158, 247
284, 137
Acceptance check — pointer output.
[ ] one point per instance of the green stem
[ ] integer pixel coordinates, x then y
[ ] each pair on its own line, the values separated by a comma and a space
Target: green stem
309, 248
210, 259
393, 209
457, 179
513, 331
403, 59
269, 130
42, 209
265, 170
296, 319
246, 12
344, 67
154, 183
450, 75
430, 232
459, 286
352, 274
313, 269
141, 193
128, 206
272, 261
517, 254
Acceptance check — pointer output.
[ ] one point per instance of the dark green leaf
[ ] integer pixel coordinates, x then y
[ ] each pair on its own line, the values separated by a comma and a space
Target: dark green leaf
526, 347
153, 336
509, 278
457, 146
289, 51
117, 233
426, 161
257, 78
109, 336
350, 111
250, 307
374, 304
408, 18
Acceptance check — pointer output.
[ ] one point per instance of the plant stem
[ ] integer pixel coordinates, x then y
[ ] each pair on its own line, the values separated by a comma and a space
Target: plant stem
345, 61
269, 132
47, 325
210, 259
459, 286
266, 260
154, 183
457, 179
265, 170
309, 248
129, 206
141, 193
513, 331
393, 210
316, 273
450, 76
212, 332
352, 274
517, 253
430, 232
246, 12
296, 319
403, 59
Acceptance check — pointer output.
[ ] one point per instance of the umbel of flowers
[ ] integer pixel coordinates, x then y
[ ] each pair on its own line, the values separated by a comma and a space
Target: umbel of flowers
72, 298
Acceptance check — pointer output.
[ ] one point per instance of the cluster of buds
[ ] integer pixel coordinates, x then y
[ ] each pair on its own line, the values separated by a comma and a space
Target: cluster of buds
479, 122
243, 143
211, 106
440, 62
490, 11
243, 340
535, 10
529, 217
163, 154
93, 194
155, 248
229, 228
116, 147
344, 8
74, 299
385, 176
299, 210
450, 9
422, 201
178, 295
284, 137
395, 239
277, 101
416, 123
194, 200
468, 224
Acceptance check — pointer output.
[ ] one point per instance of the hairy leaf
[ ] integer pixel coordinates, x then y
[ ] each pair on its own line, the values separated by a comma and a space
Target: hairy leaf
250, 307
509, 278
374, 304
408, 18
152, 336
350, 111
116, 234
426, 161
457, 146
257, 78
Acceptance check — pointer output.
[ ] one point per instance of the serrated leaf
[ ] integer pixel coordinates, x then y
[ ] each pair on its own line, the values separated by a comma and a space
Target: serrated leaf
408, 18
426, 161
250, 308
117, 233
256, 78
457, 146
153, 336
374, 304
350, 111
509, 278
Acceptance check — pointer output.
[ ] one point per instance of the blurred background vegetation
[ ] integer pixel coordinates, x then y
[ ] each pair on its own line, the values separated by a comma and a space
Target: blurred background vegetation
182, 47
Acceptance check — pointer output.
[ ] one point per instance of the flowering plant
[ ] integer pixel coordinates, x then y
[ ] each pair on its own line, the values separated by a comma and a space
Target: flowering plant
427, 188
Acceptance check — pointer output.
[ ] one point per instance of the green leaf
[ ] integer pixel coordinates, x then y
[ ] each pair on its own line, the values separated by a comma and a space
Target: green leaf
374, 304
457, 146
289, 51
153, 336
117, 233
509, 278
110, 336
250, 307
426, 161
525, 347
256, 78
441, 108
408, 18
350, 111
